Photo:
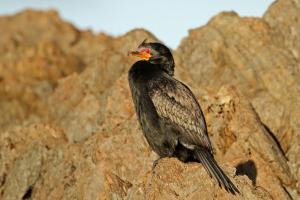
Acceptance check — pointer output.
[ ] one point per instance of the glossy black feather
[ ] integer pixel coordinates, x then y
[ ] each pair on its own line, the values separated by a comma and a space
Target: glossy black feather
169, 114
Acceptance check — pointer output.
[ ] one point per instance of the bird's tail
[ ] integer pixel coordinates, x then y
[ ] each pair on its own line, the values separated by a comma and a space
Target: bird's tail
206, 158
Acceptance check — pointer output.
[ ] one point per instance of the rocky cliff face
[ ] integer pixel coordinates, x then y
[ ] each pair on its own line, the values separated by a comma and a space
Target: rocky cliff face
68, 128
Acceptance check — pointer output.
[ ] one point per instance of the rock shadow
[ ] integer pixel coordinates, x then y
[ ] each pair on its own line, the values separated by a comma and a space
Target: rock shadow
249, 169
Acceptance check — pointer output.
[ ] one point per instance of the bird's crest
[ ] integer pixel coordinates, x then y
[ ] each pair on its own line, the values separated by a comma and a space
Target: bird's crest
144, 42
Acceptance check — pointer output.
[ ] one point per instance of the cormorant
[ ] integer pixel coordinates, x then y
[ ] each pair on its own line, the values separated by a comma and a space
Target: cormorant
168, 112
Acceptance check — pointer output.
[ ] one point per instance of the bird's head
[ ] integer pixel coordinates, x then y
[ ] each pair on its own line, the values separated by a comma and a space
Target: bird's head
156, 53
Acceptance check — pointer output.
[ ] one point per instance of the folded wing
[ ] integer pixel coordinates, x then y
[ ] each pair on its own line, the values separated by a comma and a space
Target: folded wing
176, 104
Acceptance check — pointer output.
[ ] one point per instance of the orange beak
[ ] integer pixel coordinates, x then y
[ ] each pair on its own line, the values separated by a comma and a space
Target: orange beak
141, 54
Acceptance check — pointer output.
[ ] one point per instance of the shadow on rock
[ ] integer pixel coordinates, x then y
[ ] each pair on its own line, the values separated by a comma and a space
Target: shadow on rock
249, 169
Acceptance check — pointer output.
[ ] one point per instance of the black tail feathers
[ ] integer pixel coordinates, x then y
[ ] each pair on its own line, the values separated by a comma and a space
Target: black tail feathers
206, 158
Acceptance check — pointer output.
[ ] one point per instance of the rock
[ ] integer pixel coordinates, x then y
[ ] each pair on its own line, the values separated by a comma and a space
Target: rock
70, 132
24, 174
33, 61
22, 153
259, 57
190, 181
247, 144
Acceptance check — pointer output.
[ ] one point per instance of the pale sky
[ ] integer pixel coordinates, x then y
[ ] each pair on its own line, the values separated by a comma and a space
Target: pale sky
168, 20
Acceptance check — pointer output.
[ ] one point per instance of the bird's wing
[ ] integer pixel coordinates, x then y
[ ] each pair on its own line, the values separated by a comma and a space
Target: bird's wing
175, 103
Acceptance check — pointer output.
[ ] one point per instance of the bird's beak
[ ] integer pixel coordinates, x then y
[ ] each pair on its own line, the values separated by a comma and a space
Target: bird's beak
141, 54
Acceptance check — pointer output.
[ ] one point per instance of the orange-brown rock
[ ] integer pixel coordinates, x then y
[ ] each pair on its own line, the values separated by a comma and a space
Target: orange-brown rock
68, 129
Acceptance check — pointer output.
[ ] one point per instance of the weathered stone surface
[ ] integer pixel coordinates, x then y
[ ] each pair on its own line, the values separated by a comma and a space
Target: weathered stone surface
258, 56
22, 154
240, 139
69, 130
190, 181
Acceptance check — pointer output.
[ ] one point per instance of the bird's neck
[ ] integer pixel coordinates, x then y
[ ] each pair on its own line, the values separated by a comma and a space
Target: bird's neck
168, 67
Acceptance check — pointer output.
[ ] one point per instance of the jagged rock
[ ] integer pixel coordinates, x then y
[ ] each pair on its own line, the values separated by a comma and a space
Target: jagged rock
175, 180
70, 132
258, 56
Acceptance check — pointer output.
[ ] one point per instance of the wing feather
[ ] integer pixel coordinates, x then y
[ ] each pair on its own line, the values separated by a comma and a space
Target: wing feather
175, 103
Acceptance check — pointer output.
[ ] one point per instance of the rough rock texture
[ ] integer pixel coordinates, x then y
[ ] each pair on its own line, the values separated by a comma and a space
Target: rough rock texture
68, 128
261, 58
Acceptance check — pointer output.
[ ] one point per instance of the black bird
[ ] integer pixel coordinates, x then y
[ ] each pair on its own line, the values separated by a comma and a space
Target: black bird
168, 112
